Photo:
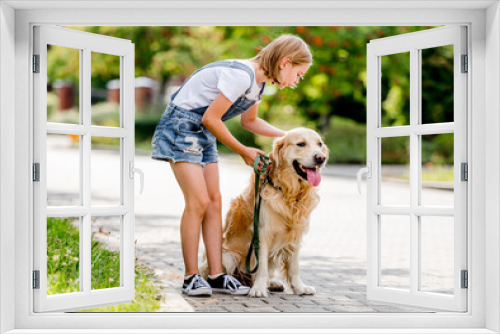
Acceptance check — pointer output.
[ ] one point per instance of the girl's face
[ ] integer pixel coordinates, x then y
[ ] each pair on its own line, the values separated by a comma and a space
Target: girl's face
291, 74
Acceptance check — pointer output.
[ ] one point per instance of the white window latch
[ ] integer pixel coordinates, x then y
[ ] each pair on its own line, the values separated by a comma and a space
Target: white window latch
365, 170
136, 170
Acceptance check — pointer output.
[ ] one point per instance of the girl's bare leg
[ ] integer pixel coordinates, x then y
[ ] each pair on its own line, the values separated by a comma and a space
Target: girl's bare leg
192, 182
212, 223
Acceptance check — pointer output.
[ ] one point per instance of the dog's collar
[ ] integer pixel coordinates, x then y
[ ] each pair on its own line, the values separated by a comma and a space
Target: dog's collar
267, 179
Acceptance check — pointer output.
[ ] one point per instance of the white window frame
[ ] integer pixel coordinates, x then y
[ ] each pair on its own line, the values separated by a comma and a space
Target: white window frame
483, 129
85, 43
414, 210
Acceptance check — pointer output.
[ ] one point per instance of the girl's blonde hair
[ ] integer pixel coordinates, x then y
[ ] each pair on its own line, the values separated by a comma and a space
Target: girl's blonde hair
285, 46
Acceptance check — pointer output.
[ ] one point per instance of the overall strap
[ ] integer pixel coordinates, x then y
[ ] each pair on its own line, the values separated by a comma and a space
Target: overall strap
221, 63
262, 90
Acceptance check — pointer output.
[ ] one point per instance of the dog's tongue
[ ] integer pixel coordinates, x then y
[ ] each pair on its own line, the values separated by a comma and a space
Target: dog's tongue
313, 176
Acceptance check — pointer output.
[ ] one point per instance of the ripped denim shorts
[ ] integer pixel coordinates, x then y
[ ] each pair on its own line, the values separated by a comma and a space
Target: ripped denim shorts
180, 136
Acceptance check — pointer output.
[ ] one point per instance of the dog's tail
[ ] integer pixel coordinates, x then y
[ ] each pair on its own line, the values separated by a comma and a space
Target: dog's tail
231, 267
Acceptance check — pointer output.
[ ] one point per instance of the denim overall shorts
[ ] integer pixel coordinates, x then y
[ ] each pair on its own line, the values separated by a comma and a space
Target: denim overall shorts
180, 136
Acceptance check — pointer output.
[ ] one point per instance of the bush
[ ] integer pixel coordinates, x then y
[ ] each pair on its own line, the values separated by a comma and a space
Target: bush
245, 137
69, 116
346, 140
106, 114
52, 105
438, 149
145, 126
395, 150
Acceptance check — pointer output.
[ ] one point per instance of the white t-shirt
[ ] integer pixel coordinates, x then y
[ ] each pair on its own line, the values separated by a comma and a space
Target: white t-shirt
203, 87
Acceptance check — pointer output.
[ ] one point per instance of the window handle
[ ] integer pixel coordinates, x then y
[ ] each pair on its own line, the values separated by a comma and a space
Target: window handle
365, 170
136, 170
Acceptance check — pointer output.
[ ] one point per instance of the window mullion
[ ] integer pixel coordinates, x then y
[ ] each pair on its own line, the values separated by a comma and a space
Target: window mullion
85, 151
80, 211
414, 170
418, 211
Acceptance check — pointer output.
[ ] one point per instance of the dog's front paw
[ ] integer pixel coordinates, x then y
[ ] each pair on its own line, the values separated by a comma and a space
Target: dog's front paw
276, 285
304, 290
258, 292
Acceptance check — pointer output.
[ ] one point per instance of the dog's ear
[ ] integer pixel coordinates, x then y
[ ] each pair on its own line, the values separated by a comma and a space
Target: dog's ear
276, 156
325, 149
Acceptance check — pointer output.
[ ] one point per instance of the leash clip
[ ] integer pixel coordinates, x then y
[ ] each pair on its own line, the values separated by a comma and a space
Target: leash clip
265, 164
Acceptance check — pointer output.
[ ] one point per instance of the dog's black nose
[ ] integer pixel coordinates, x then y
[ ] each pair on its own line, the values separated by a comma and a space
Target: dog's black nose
319, 158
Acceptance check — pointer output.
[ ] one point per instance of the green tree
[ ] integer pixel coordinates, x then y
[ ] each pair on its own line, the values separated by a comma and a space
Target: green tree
334, 85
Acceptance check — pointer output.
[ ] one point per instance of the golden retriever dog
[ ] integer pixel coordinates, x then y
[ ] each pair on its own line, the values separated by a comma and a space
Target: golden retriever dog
288, 198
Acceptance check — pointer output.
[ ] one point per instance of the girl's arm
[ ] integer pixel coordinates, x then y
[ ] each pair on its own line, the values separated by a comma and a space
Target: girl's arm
212, 120
252, 123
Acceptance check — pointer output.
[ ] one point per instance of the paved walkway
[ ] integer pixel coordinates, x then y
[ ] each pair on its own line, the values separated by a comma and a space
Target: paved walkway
333, 257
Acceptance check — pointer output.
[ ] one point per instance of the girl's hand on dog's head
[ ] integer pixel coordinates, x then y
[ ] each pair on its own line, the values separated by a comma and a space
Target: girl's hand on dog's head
249, 155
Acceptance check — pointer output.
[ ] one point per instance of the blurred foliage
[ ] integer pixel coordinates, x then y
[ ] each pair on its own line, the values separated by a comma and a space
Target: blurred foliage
105, 114
437, 84
63, 64
395, 70
437, 150
346, 140
335, 85
395, 150
245, 137
52, 106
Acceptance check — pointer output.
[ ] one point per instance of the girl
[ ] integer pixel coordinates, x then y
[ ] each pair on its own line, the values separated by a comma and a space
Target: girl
186, 137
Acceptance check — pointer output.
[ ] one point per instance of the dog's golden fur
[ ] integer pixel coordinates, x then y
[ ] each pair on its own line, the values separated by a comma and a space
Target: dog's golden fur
284, 218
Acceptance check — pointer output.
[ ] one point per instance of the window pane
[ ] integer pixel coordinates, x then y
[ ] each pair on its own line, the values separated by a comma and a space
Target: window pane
63, 170
106, 236
63, 255
438, 172
395, 169
395, 251
437, 254
437, 84
63, 84
395, 89
105, 171
105, 91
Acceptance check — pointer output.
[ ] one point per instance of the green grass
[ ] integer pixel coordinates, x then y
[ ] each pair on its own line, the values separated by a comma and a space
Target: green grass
62, 256
438, 173
442, 173
63, 269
